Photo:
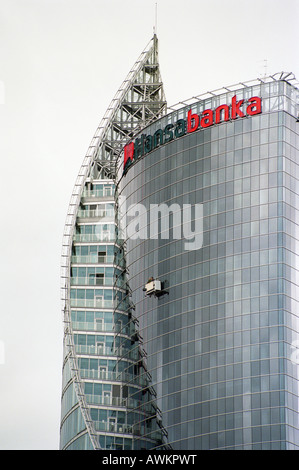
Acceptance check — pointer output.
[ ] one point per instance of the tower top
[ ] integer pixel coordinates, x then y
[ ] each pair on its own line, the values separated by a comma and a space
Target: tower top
156, 19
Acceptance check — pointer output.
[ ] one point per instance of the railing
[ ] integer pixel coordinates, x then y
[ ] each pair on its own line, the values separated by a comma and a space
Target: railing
98, 193
91, 281
95, 213
113, 427
100, 303
92, 259
93, 303
103, 426
111, 401
102, 326
114, 377
95, 350
107, 351
94, 326
94, 237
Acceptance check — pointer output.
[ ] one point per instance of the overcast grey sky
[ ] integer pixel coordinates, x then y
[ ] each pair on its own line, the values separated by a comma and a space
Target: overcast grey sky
61, 63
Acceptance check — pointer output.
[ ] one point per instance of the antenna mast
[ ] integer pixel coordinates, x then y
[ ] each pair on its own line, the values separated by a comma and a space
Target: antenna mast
156, 16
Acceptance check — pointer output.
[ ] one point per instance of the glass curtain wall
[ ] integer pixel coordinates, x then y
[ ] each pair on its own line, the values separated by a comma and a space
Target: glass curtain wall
219, 342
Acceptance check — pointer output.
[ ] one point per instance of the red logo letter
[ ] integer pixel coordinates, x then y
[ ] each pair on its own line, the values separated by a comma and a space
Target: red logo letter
255, 106
236, 108
192, 117
128, 152
224, 108
207, 118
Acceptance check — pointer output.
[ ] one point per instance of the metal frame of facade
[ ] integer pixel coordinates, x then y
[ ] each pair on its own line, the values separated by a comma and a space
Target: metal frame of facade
289, 77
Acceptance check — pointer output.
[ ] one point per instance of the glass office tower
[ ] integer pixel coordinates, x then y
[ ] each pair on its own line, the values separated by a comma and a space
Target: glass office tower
221, 330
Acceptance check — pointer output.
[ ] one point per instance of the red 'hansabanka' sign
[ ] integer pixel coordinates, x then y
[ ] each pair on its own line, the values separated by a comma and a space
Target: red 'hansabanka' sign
146, 143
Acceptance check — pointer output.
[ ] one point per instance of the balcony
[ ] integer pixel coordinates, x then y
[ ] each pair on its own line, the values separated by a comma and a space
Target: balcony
93, 259
111, 401
102, 194
111, 376
95, 350
92, 326
99, 303
102, 426
96, 214
93, 303
94, 237
91, 281
107, 351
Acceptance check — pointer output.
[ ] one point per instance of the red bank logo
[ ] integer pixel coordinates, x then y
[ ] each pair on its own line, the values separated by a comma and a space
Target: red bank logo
146, 143
128, 152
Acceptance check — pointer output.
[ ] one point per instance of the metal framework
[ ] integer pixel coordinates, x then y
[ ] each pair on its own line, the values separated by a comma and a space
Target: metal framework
289, 77
139, 101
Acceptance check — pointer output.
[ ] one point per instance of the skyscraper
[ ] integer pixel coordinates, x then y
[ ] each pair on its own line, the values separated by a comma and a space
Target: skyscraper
179, 274
220, 329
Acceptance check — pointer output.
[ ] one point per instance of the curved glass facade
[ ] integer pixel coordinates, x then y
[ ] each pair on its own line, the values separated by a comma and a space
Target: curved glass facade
220, 338
107, 400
